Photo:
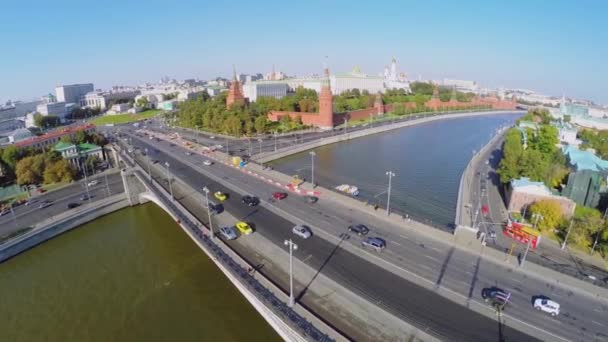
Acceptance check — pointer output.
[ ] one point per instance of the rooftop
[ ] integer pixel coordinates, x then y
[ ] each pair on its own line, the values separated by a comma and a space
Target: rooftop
54, 134
584, 160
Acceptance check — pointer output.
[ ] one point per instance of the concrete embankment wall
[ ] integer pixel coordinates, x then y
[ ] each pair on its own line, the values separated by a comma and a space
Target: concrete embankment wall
62, 223
284, 152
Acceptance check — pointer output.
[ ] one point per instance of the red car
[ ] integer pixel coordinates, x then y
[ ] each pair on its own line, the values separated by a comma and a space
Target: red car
279, 195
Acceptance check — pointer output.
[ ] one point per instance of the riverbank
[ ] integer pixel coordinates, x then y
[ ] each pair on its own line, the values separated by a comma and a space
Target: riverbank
266, 157
60, 224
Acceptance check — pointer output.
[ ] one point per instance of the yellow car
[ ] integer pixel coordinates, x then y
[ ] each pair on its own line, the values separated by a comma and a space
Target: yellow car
244, 228
220, 195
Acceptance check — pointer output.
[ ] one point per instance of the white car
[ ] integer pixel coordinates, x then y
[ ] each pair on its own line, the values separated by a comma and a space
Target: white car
208, 162
92, 183
302, 231
547, 305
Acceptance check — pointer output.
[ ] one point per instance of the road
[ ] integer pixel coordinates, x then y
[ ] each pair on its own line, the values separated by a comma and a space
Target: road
408, 255
486, 190
29, 215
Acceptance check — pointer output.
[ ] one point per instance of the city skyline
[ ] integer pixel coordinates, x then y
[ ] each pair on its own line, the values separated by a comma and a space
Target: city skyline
554, 53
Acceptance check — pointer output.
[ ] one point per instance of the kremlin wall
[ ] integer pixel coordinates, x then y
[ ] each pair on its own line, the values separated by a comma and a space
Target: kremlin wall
326, 118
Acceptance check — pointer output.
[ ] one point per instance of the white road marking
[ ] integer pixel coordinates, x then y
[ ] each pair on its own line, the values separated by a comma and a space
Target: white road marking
598, 323
395, 243
430, 257
469, 273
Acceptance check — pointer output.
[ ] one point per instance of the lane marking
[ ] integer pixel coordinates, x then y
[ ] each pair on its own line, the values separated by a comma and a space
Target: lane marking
598, 323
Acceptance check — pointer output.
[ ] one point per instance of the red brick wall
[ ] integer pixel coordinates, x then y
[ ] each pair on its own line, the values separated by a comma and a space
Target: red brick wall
309, 119
518, 200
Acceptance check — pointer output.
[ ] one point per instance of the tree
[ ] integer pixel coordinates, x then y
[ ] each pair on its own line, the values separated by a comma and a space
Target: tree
398, 109
512, 152
80, 137
422, 88
567, 118
142, 102
29, 170
98, 139
551, 214
260, 124
59, 171
587, 223
92, 162
10, 155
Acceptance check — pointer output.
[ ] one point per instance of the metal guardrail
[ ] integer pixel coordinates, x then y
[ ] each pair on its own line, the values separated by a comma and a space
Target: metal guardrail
279, 307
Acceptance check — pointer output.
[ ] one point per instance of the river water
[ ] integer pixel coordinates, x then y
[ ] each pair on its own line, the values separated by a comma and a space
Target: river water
428, 160
129, 276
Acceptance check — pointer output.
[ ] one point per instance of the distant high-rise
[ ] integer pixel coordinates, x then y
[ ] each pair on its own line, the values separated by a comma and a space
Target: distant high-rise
72, 93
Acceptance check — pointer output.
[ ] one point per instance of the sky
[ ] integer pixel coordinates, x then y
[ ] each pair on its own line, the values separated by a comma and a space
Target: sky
553, 47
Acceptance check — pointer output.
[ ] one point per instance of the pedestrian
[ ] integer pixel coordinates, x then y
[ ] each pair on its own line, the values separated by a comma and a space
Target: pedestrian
376, 206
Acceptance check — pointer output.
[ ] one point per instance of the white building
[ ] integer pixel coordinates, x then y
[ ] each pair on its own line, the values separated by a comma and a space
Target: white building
215, 90
393, 79
276, 89
461, 85
355, 79
53, 108
313, 83
102, 99
189, 94
119, 108
72, 93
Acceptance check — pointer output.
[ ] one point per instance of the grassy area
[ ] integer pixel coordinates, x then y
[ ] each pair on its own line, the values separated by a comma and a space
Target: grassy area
125, 118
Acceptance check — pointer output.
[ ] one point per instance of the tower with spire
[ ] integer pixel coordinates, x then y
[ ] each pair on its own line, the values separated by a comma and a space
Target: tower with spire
235, 93
326, 101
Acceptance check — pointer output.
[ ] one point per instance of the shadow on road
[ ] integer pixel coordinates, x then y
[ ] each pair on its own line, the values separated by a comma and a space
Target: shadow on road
343, 237
444, 267
474, 280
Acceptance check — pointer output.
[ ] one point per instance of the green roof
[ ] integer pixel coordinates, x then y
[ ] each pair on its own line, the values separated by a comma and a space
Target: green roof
87, 147
63, 145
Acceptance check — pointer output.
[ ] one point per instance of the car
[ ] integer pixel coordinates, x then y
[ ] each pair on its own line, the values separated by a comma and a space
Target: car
495, 296
228, 233
375, 243
212, 137
93, 183
188, 153
45, 204
208, 162
302, 231
547, 305
244, 227
30, 201
220, 195
358, 229
4, 212
73, 205
251, 201
216, 208
85, 197
279, 195
41, 190
312, 199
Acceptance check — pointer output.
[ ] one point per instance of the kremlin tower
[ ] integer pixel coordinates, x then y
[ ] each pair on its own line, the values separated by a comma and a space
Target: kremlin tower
326, 102
235, 94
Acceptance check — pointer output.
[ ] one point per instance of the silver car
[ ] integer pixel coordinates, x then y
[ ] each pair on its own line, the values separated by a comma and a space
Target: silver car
302, 231
374, 242
228, 233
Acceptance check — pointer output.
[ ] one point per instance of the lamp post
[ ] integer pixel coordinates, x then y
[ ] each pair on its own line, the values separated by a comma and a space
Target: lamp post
148, 159
86, 181
250, 148
275, 141
345, 126
312, 159
390, 175
568, 233
260, 141
206, 191
169, 180
292, 247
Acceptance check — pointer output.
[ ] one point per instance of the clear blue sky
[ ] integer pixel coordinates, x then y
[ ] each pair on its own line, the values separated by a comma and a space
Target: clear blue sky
553, 47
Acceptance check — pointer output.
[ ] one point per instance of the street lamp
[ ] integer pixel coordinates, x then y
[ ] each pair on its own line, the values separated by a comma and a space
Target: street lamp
567, 233
206, 191
86, 181
390, 175
292, 247
312, 158
250, 147
148, 158
345, 126
169, 180
275, 141
260, 141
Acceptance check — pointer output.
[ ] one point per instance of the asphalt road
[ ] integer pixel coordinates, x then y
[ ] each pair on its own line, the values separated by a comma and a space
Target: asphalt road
486, 189
455, 270
29, 215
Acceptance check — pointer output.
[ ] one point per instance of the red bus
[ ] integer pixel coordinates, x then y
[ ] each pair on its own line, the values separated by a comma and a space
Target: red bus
522, 233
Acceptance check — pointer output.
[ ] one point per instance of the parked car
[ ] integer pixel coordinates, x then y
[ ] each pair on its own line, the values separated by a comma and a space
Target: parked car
495, 296
45, 204
244, 228
73, 205
228, 233
208, 162
188, 153
30, 201
358, 229
302, 231
251, 201
220, 195
279, 195
375, 243
85, 197
4, 212
312, 199
547, 305
216, 208
93, 183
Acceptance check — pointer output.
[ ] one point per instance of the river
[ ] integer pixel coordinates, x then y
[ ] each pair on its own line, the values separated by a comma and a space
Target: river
428, 160
129, 276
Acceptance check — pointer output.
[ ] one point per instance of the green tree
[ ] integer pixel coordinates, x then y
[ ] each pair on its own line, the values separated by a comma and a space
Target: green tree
92, 163
260, 124
399, 109
29, 170
551, 214
567, 118
422, 88
512, 152
142, 102
80, 137
587, 222
420, 100
59, 171
10, 156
